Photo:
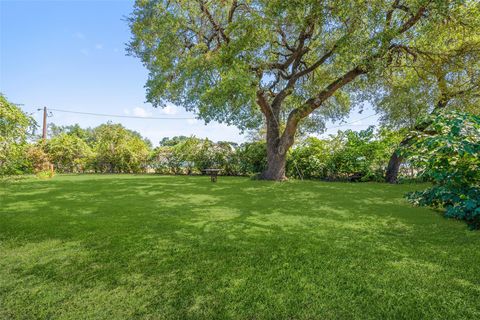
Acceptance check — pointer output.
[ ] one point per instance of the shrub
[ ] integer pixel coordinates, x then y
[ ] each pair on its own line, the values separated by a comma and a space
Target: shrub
348, 155
252, 157
37, 159
449, 152
68, 152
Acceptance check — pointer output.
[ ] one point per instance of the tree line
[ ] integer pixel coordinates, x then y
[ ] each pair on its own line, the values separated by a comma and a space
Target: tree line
112, 148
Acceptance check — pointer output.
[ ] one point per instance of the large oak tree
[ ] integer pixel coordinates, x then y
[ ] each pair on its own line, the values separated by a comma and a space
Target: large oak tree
287, 63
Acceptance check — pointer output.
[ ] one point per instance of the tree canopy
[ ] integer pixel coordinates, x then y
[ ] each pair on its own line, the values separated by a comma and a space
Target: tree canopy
442, 71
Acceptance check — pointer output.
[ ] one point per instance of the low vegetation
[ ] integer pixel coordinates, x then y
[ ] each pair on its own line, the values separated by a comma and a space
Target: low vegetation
449, 153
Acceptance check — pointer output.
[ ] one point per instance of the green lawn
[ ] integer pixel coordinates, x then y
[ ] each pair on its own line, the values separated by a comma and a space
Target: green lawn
163, 247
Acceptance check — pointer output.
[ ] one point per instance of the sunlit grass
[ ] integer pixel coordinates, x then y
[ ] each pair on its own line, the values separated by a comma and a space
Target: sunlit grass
127, 247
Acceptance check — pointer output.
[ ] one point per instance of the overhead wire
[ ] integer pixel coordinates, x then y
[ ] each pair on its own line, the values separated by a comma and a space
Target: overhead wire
181, 118
120, 115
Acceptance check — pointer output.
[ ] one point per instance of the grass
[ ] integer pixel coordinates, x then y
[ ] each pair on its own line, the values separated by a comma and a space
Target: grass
164, 247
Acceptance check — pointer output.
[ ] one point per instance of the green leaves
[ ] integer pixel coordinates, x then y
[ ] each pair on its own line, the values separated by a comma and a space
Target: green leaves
449, 152
117, 149
347, 154
15, 128
69, 153
212, 57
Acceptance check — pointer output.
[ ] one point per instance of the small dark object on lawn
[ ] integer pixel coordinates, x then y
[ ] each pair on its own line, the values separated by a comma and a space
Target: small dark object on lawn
213, 174
356, 177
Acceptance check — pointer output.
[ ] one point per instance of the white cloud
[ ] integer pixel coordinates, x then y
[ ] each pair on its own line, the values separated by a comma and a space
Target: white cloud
140, 112
85, 52
192, 121
79, 35
99, 46
169, 109
126, 111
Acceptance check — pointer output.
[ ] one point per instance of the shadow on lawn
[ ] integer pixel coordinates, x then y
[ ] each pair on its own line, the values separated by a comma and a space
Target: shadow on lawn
187, 244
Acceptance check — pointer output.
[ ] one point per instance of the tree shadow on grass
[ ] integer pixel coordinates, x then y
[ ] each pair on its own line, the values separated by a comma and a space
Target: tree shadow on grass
186, 248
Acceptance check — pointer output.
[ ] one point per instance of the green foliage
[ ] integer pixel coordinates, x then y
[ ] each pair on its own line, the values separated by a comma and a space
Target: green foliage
193, 155
167, 141
86, 134
15, 129
69, 153
289, 62
348, 155
111, 148
442, 71
117, 149
310, 159
176, 155
252, 157
449, 152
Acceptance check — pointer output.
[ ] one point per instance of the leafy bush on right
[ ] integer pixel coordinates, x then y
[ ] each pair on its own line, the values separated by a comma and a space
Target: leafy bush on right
449, 152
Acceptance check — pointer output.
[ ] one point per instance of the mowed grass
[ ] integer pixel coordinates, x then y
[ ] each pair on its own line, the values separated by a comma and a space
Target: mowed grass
165, 247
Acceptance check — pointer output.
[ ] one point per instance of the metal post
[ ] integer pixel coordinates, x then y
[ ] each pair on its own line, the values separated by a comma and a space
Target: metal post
44, 133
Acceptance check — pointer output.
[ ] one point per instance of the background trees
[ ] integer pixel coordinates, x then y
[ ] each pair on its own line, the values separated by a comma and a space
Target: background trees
69, 152
347, 156
111, 148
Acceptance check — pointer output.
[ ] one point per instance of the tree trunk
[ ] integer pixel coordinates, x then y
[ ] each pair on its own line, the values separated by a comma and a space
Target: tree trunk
275, 163
277, 147
393, 168
391, 176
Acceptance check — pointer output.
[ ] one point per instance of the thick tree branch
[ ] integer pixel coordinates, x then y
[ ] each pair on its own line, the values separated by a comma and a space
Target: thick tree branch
263, 103
313, 103
388, 18
215, 25
231, 12
293, 79
413, 19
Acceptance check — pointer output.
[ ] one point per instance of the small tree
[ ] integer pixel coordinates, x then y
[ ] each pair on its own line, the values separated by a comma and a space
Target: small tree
118, 149
68, 152
449, 151
15, 128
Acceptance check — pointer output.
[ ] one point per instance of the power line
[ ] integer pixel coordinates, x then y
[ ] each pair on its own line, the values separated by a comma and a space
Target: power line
183, 118
349, 123
121, 116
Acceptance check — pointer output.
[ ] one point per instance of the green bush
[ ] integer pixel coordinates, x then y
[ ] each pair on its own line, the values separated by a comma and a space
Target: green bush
310, 159
69, 153
449, 152
252, 157
348, 155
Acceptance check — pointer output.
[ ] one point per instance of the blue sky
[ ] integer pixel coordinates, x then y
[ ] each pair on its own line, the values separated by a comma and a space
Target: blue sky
71, 55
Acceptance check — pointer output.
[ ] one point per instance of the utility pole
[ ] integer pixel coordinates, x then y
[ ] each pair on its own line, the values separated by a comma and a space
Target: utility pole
44, 133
